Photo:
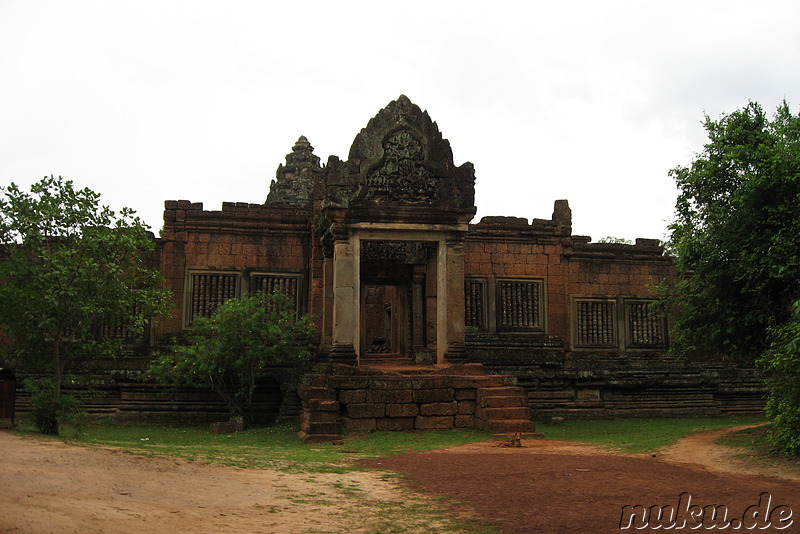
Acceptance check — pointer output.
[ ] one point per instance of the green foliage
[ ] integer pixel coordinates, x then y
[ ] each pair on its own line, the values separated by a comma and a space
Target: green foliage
51, 409
736, 233
782, 364
245, 340
70, 265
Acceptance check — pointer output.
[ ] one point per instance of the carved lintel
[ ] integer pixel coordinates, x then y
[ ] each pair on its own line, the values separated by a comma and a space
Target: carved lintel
408, 252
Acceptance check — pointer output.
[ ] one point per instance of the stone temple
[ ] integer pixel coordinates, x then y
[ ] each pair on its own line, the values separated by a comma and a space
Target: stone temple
381, 248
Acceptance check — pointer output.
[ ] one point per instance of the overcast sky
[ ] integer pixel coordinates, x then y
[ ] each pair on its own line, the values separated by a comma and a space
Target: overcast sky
585, 100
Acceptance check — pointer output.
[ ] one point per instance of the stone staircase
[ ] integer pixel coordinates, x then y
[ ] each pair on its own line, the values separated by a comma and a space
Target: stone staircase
341, 398
504, 410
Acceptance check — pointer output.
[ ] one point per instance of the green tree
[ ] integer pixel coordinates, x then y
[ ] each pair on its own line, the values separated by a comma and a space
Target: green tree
244, 341
736, 239
70, 265
782, 364
736, 234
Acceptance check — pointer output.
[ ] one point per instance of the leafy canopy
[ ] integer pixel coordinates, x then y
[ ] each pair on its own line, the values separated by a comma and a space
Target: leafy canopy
782, 364
243, 342
68, 266
736, 233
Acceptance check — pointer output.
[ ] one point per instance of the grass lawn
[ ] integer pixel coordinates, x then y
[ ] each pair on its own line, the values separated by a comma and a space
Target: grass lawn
277, 447
639, 435
273, 447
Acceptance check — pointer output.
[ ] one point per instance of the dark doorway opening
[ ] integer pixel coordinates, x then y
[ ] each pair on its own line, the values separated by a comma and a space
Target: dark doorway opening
385, 314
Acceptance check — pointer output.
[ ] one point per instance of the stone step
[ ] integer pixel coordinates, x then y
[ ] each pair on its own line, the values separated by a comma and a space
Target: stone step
321, 428
508, 426
502, 401
501, 391
508, 412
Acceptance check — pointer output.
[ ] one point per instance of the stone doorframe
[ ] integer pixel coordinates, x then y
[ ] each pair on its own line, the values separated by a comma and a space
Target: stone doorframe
344, 286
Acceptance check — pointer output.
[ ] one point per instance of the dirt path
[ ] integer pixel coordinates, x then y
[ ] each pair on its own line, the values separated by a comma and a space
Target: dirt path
546, 487
50, 486
701, 449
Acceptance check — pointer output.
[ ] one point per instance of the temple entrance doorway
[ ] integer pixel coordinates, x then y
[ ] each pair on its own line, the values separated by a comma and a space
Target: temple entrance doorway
385, 312
382, 327
397, 281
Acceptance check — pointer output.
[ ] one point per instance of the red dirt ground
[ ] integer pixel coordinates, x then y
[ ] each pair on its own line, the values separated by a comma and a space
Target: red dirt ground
559, 487
545, 487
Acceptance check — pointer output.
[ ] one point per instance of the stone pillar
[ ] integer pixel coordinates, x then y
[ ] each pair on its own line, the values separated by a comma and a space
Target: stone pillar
345, 293
455, 308
327, 303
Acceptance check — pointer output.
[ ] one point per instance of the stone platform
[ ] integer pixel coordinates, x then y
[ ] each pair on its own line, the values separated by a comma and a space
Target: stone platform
338, 398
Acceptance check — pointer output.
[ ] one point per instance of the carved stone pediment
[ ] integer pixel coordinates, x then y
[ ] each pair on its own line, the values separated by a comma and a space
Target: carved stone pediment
402, 177
401, 160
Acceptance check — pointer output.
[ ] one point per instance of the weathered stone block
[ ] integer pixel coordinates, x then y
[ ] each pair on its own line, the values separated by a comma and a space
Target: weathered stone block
315, 405
402, 410
466, 407
432, 382
503, 401
433, 422
433, 395
358, 425
322, 427
320, 416
465, 421
511, 412
316, 380
389, 395
395, 423
351, 382
464, 382
465, 394
316, 393
362, 411
390, 383
439, 408
352, 396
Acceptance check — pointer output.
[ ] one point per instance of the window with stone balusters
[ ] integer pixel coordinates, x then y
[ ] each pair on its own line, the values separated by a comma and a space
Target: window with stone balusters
595, 323
626, 323
207, 290
475, 305
645, 324
520, 305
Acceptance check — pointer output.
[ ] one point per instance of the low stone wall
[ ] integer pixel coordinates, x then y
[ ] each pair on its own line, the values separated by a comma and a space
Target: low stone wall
605, 384
116, 389
339, 398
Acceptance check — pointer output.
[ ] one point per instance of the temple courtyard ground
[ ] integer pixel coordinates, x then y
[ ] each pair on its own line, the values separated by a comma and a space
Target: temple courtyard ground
546, 487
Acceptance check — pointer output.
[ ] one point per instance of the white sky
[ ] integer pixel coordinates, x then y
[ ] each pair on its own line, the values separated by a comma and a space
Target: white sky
146, 101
